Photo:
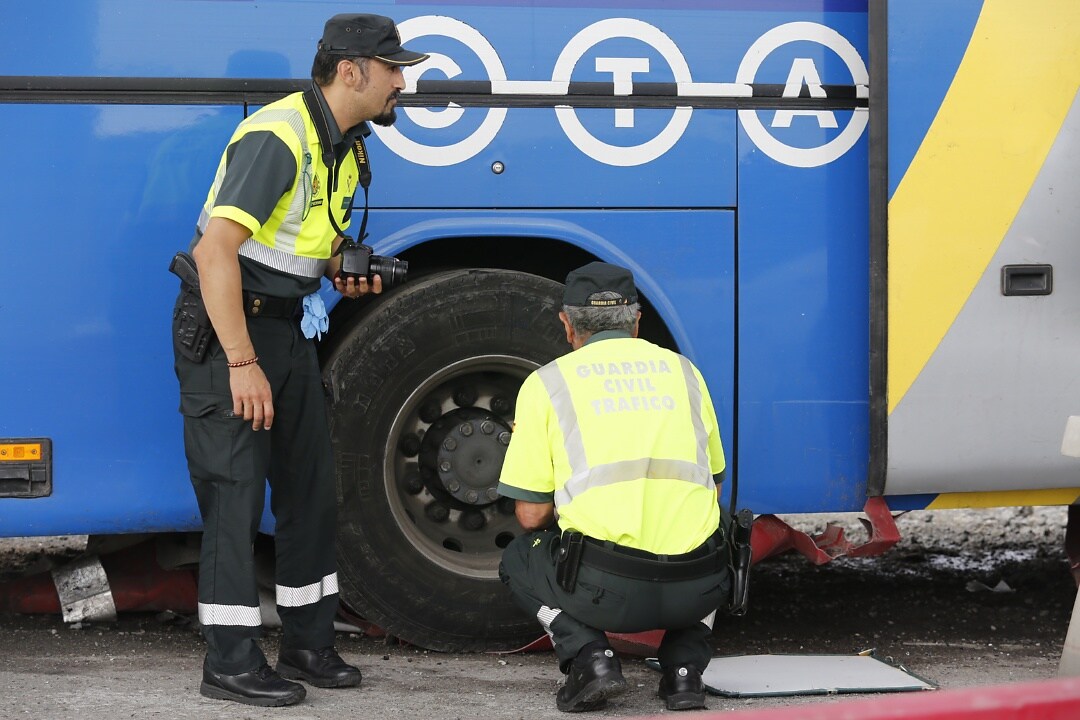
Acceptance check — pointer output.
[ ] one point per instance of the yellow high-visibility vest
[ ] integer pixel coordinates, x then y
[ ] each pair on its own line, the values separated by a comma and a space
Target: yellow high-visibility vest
298, 236
622, 435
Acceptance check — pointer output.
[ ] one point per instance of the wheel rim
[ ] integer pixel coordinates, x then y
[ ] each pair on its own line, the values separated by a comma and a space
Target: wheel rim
442, 459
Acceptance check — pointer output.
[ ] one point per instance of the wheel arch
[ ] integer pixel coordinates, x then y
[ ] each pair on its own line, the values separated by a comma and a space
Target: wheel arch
542, 246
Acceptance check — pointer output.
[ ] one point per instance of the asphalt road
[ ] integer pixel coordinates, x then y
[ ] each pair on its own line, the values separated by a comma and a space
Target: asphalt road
929, 607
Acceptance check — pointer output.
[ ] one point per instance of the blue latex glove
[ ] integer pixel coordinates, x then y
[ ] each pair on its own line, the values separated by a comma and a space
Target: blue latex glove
315, 321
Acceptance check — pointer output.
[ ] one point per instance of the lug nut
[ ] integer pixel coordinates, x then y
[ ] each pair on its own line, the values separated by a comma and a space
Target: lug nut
465, 429
430, 411
504, 437
453, 485
492, 494
471, 496
465, 396
445, 466
472, 520
409, 445
487, 427
437, 511
413, 483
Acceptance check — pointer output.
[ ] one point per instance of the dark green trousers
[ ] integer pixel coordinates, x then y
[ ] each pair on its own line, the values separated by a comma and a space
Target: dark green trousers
603, 602
229, 465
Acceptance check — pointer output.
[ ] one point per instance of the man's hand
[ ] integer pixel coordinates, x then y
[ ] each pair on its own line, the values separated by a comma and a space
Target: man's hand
216, 255
353, 288
251, 395
349, 287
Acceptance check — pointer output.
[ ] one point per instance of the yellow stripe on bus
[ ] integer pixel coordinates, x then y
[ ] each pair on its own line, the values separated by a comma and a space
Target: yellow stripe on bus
1006, 104
1010, 498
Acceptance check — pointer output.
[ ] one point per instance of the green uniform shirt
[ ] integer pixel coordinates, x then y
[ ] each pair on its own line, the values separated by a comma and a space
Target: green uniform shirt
621, 435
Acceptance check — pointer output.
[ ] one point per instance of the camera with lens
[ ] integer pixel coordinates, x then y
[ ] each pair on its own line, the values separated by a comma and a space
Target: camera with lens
358, 260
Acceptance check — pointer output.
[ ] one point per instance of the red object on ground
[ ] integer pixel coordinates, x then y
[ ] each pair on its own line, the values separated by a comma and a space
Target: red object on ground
33, 595
771, 536
137, 582
1046, 700
367, 628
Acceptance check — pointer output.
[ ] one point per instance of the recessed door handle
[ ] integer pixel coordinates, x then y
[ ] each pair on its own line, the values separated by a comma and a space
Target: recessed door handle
1027, 279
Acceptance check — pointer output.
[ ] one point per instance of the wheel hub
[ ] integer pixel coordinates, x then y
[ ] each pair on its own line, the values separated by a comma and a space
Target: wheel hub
448, 440
462, 453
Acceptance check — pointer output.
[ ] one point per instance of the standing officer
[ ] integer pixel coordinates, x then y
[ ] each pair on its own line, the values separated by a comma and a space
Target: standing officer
617, 442
253, 406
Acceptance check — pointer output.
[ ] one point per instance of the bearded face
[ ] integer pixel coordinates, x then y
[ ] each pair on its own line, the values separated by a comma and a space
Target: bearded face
389, 115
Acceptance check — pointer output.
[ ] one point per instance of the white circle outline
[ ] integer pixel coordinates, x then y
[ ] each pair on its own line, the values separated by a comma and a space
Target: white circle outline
442, 156
774, 39
619, 155
435, 119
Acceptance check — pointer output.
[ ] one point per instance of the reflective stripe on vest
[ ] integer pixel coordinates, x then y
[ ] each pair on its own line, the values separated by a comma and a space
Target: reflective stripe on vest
277, 244
280, 260
583, 477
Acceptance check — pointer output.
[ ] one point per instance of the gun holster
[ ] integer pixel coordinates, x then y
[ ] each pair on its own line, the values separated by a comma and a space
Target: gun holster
568, 559
739, 556
192, 330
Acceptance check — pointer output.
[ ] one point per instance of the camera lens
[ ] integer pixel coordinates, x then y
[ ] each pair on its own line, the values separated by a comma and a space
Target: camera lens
392, 270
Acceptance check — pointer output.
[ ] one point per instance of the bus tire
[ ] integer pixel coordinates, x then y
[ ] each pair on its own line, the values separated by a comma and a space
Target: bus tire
421, 399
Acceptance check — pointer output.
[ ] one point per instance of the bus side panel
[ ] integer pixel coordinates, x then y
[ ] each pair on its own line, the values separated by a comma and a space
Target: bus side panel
803, 335
803, 297
101, 197
539, 166
981, 369
152, 38
568, 157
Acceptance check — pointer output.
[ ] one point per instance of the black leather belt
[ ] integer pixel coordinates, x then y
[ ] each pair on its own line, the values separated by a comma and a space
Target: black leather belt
270, 306
703, 560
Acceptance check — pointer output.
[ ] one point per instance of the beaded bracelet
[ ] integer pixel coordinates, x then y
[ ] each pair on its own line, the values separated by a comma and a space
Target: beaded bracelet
242, 363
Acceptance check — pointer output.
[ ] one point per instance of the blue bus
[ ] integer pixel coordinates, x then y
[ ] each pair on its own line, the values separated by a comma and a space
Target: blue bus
858, 219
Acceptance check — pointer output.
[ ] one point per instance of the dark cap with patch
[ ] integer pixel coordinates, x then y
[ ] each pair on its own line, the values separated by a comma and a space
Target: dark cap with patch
374, 36
598, 277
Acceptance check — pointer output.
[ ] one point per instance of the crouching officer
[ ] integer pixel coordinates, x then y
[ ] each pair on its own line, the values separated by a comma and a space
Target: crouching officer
618, 442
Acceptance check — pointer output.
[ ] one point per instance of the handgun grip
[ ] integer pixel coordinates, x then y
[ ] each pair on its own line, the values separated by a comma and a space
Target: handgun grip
183, 267
741, 526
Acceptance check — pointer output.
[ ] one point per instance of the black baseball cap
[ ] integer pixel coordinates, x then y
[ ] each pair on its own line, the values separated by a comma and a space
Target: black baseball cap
597, 277
352, 35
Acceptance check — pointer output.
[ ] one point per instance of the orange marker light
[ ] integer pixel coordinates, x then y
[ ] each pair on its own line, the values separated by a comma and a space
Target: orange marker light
20, 452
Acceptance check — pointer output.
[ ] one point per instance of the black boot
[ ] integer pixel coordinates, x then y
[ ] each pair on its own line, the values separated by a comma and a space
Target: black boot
322, 668
261, 686
682, 689
594, 676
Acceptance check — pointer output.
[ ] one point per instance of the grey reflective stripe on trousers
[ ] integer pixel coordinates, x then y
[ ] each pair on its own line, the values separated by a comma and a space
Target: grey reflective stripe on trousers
307, 595
583, 477
242, 615
546, 616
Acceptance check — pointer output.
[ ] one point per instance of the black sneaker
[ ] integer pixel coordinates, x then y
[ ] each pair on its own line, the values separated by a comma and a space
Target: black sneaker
261, 686
682, 689
590, 683
322, 668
